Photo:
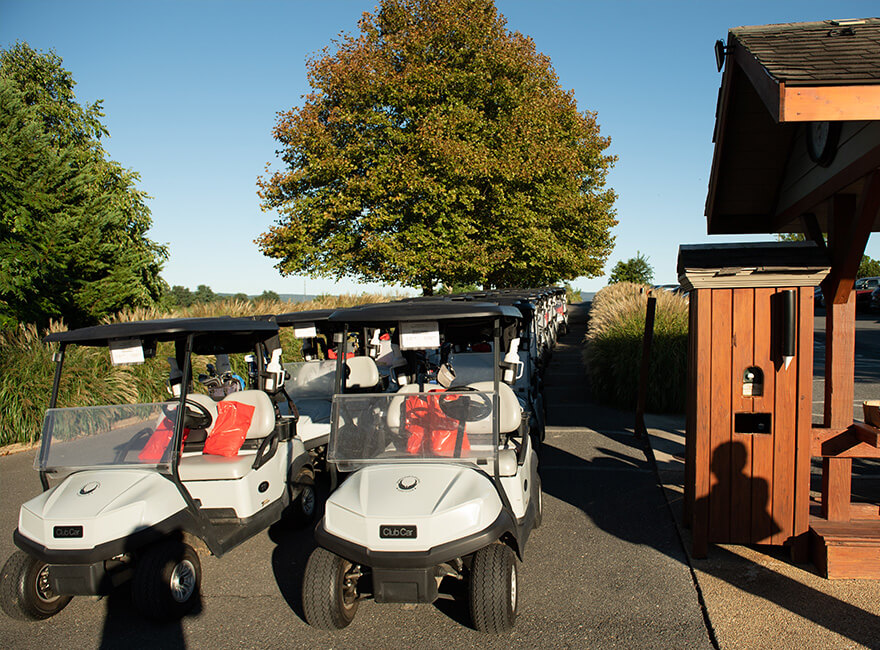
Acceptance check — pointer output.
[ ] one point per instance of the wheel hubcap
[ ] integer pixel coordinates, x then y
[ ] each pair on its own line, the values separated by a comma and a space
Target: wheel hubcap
513, 588
183, 581
350, 576
44, 589
307, 498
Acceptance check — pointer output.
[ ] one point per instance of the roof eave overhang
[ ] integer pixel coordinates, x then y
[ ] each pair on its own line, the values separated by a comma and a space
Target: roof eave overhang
786, 104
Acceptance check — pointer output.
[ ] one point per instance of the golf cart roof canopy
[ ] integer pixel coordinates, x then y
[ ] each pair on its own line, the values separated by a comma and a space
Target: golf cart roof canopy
309, 316
212, 335
424, 310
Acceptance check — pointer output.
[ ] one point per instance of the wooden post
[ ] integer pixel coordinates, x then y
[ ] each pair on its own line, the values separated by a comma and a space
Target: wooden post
648, 339
851, 226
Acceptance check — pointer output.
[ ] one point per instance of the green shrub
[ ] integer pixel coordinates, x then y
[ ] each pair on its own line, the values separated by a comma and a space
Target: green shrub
572, 296
27, 369
613, 348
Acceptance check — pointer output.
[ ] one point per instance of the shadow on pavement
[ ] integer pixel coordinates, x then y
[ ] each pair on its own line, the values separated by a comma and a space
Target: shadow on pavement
125, 627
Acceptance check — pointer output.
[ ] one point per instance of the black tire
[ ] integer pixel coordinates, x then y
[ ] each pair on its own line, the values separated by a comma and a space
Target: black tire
493, 592
329, 594
25, 593
167, 581
304, 506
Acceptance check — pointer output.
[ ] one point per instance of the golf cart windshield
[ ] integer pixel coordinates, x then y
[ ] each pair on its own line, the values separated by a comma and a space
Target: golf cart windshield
104, 436
308, 379
442, 426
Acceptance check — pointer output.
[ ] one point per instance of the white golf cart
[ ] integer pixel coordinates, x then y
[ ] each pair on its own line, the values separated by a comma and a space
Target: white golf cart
130, 487
443, 480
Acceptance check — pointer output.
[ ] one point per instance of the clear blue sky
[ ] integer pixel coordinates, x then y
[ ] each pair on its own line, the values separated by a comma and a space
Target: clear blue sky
191, 90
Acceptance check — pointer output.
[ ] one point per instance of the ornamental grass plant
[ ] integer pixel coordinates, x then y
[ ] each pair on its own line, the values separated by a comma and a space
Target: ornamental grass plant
613, 348
27, 368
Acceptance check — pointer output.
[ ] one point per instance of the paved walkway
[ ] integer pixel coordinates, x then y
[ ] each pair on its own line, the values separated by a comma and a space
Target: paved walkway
637, 586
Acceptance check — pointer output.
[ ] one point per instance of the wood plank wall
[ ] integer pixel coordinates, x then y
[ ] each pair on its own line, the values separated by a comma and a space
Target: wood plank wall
747, 487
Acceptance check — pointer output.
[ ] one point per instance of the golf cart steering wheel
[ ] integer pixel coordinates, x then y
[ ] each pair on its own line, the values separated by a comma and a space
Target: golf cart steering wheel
135, 443
464, 408
197, 418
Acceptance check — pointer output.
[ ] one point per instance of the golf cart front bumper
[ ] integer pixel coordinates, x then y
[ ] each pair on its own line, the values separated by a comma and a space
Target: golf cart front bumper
96, 571
411, 576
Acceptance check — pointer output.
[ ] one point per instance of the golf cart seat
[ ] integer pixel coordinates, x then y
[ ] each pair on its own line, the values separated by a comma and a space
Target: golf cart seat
510, 408
313, 426
362, 373
207, 467
314, 378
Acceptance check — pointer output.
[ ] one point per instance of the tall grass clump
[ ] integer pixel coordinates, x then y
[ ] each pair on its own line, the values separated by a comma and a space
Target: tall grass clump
613, 348
27, 368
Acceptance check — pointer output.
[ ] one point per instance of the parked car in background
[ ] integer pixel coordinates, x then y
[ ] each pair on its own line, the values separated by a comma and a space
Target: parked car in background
864, 287
818, 299
875, 299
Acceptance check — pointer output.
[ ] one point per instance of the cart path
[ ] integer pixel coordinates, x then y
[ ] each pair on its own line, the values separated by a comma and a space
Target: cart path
604, 570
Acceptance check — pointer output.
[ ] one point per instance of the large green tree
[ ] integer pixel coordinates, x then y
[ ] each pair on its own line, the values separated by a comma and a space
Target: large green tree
438, 147
73, 224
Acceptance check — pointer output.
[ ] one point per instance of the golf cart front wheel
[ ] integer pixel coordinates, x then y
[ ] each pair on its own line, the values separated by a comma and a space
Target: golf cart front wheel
330, 598
304, 506
493, 590
25, 591
167, 581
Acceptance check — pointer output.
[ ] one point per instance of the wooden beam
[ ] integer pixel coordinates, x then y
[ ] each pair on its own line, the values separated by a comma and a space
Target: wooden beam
845, 171
721, 114
833, 443
838, 285
840, 344
829, 103
836, 488
853, 221
820, 435
866, 434
768, 88
813, 231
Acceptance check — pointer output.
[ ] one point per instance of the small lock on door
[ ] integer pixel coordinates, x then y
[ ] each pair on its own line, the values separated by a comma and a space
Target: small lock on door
753, 382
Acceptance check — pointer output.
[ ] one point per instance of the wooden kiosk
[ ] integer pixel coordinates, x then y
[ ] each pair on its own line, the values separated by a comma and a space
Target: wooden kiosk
750, 374
797, 150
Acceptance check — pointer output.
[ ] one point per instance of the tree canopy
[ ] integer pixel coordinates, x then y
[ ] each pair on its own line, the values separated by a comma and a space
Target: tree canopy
868, 267
635, 269
73, 224
437, 147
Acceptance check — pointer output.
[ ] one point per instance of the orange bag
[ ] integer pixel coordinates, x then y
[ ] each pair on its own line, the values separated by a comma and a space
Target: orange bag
159, 441
230, 429
431, 431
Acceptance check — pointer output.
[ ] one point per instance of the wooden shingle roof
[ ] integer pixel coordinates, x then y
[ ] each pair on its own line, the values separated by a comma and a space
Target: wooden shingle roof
827, 52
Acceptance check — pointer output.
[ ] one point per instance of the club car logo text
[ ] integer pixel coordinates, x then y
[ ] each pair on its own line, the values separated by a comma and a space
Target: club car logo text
67, 532
388, 531
407, 483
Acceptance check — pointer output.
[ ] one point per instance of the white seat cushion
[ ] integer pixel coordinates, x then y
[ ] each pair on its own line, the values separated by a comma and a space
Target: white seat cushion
263, 419
362, 373
204, 467
314, 420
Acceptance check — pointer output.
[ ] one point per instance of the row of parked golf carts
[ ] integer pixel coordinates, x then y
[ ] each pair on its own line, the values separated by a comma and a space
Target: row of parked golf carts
425, 415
